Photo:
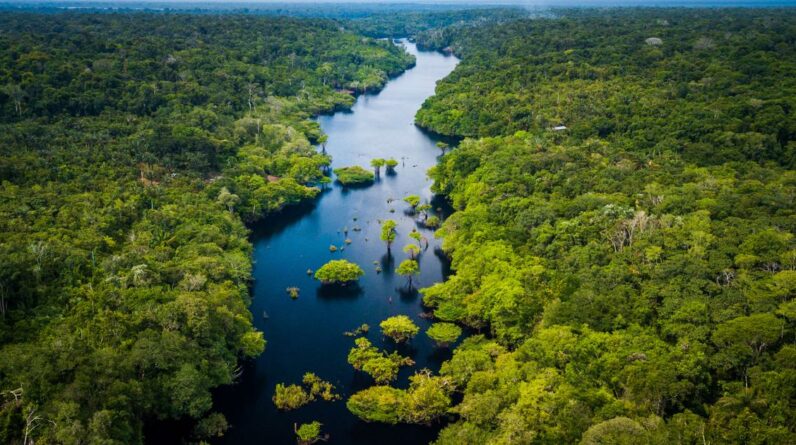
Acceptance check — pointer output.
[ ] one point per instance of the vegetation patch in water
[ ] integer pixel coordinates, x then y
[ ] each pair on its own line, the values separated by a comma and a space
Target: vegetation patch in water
354, 175
378, 364
289, 397
339, 272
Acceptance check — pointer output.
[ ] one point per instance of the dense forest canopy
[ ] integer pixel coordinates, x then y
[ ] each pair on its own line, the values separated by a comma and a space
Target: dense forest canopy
623, 249
132, 148
624, 227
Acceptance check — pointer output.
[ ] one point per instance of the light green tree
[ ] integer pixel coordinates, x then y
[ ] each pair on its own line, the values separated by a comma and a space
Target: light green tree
444, 333
400, 328
388, 232
339, 271
412, 250
408, 269
413, 201
377, 164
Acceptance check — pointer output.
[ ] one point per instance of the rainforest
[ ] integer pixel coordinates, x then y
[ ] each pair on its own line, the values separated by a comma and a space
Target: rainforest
397, 223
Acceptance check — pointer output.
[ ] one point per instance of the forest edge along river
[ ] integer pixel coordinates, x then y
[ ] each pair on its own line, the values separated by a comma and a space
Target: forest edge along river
306, 334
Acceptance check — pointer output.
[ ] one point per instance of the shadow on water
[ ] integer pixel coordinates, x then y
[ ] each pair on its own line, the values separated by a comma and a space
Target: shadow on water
350, 187
407, 294
387, 262
336, 291
276, 222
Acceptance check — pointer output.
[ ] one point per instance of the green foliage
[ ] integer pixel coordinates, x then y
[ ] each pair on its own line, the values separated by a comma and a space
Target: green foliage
444, 333
408, 268
377, 164
425, 401
391, 164
633, 270
381, 366
412, 250
132, 149
355, 175
319, 388
378, 404
417, 236
339, 271
409, 19
412, 200
214, 425
292, 397
363, 329
601, 83
309, 433
400, 328
388, 232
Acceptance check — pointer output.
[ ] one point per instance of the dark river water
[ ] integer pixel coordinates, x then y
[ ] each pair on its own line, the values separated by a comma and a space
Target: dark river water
306, 334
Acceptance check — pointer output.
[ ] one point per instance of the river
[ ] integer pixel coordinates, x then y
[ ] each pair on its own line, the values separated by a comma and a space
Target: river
306, 334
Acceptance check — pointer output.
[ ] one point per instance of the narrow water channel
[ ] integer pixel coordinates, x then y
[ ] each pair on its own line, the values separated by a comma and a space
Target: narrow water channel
306, 334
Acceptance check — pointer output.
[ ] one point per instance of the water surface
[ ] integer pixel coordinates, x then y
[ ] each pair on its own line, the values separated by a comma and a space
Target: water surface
306, 335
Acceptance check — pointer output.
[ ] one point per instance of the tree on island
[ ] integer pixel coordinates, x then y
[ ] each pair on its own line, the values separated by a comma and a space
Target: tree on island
400, 328
408, 269
339, 271
377, 164
388, 232
391, 164
442, 146
444, 334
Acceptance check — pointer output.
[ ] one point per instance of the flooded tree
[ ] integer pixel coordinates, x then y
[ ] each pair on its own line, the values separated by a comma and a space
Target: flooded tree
433, 222
413, 201
309, 433
400, 328
423, 209
426, 400
378, 364
290, 397
388, 232
377, 164
408, 269
339, 271
417, 236
412, 250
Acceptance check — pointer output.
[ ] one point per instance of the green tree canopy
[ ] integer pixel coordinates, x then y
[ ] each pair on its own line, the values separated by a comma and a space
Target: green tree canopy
399, 328
339, 271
